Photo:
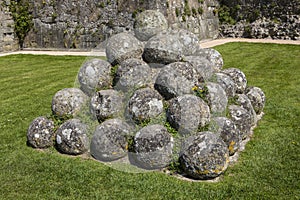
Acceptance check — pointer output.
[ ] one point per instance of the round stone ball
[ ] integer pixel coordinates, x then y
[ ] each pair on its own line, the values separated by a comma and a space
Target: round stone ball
204, 156
238, 77
187, 113
145, 104
40, 133
149, 23
212, 55
132, 74
94, 75
241, 118
71, 137
217, 98
152, 147
226, 83
68, 101
123, 46
106, 104
202, 66
245, 103
170, 46
176, 79
227, 130
257, 98
109, 141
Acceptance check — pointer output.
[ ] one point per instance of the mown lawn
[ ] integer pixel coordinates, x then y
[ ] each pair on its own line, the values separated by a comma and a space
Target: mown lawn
269, 168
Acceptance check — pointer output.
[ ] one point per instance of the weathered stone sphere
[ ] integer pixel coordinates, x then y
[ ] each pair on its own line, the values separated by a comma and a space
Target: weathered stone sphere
149, 23
257, 98
72, 137
106, 104
241, 118
152, 147
226, 83
40, 133
204, 156
68, 101
109, 141
212, 55
238, 77
176, 79
227, 130
132, 74
123, 46
202, 66
245, 103
94, 75
187, 113
170, 46
217, 98
145, 104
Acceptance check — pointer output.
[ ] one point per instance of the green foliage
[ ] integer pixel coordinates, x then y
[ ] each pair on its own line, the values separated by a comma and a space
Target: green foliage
187, 9
201, 91
200, 10
201, 1
22, 19
225, 15
177, 12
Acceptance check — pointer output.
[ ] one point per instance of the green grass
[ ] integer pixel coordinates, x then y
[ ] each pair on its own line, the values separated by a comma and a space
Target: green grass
268, 169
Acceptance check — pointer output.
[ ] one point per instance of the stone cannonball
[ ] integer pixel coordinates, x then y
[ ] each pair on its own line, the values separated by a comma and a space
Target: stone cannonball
238, 77
257, 98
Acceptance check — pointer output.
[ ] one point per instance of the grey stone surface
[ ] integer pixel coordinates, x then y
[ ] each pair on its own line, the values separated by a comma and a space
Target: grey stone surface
109, 141
227, 130
241, 118
170, 46
212, 55
132, 74
176, 79
68, 101
72, 137
188, 113
94, 75
123, 46
149, 23
238, 77
152, 147
216, 98
226, 83
257, 98
40, 133
204, 156
106, 104
202, 65
144, 105
245, 103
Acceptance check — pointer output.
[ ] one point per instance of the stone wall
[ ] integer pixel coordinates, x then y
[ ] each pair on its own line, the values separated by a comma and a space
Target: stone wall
84, 24
8, 42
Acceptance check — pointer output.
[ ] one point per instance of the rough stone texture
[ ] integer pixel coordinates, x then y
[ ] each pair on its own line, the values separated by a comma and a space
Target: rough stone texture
106, 104
204, 156
109, 141
188, 113
148, 24
212, 55
228, 131
216, 98
152, 147
145, 104
202, 66
257, 98
72, 137
40, 133
94, 75
241, 118
123, 46
226, 83
170, 46
68, 101
238, 77
132, 74
176, 79
245, 103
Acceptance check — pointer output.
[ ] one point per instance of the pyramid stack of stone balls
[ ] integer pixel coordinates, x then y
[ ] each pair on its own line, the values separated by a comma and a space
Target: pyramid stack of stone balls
161, 79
